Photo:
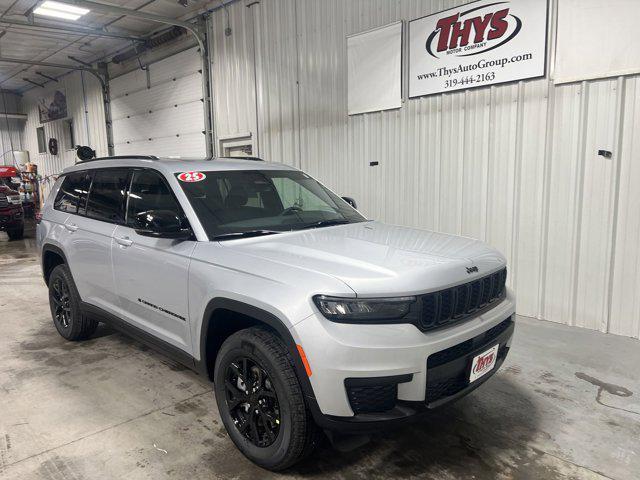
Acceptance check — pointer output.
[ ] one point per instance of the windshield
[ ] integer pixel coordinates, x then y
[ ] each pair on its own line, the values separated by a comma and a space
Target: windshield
253, 202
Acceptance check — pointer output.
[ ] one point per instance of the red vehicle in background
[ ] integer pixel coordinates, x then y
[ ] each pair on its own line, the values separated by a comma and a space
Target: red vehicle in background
11, 211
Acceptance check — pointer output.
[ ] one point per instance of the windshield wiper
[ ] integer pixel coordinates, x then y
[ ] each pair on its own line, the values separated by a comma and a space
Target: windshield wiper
248, 233
325, 223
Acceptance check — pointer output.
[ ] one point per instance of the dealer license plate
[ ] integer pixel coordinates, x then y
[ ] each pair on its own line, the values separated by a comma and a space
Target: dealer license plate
483, 363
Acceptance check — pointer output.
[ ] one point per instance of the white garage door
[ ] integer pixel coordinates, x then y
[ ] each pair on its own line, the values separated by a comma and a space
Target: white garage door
159, 111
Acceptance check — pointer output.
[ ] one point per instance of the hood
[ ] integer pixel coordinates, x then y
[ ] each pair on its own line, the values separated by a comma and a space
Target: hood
373, 258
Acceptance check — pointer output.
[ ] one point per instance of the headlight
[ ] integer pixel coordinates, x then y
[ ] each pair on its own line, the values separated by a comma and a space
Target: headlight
14, 199
366, 310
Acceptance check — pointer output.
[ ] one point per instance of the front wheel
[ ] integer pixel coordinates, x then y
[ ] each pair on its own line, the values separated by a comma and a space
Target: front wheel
260, 400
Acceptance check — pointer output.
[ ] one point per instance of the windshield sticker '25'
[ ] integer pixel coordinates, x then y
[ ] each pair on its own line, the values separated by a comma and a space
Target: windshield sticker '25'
191, 177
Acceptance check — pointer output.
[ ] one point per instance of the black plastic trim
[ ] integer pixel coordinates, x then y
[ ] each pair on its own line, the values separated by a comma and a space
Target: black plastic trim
47, 247
125, 327
374, 394
120, 157
244, 157
371, 381
501, 339
264, 317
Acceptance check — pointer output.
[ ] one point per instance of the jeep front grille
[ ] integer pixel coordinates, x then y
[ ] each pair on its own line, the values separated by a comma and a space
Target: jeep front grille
3, 201
446, 307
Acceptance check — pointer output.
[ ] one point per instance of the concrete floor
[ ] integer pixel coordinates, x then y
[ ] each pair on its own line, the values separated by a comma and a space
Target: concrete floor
565, 405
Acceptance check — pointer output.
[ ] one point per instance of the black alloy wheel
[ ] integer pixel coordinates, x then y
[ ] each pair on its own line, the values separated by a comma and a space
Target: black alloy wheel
252, 401
260, 400
61, 303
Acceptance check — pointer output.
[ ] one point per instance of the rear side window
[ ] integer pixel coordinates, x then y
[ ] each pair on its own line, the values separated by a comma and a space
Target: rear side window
149, 191
73, 192
107, 197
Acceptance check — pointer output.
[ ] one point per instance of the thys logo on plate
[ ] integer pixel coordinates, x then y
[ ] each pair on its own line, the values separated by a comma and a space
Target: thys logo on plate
473, 31
484, 362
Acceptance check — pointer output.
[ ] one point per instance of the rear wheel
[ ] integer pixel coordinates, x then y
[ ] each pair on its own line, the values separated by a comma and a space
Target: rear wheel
260, 400
16, 233
64, 302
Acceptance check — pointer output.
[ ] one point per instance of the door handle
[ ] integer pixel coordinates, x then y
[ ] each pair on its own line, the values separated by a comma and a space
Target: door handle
124, 241
72, 227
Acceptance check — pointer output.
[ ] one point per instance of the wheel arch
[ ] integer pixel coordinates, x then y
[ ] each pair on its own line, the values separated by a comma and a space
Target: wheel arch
52, 256
210, 342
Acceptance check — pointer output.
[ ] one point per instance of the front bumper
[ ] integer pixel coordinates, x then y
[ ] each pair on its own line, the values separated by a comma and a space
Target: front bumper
340, 353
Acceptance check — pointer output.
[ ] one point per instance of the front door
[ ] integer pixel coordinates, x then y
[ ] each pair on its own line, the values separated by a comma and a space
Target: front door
152, 274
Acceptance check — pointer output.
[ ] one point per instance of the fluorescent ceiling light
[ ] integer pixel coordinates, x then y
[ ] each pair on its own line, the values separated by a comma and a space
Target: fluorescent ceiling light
60, 10
55, 13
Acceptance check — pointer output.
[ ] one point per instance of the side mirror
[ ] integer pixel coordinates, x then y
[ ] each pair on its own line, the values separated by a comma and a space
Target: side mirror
161, 224
351, 202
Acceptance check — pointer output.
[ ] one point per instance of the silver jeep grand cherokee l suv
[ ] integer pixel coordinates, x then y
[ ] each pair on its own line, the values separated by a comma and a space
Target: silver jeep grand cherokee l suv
304, 314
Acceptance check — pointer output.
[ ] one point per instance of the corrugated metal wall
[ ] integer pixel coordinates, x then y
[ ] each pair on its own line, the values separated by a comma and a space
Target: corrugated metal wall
515, 165
85, 108
10, 129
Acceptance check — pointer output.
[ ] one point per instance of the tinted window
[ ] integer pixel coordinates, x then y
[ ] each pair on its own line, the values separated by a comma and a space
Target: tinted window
231, 202
149, 191
73, 192
106, 200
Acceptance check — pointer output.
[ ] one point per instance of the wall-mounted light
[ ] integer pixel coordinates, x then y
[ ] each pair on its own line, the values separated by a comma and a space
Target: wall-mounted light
65, 11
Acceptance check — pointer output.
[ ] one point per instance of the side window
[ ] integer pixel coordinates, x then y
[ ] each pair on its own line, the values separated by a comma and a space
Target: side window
73, 192
107, 196
149, 191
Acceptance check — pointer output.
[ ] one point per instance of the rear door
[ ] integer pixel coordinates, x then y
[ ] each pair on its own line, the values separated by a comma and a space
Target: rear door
152, 274
90, 235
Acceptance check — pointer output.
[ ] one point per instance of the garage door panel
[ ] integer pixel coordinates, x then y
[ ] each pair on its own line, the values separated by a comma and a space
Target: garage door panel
184, 63
183, 90
129, 82
160, 123
159, 117
188, 145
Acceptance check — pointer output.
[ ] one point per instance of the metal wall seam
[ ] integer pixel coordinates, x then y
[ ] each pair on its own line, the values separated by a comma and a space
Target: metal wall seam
625, 301
615, 191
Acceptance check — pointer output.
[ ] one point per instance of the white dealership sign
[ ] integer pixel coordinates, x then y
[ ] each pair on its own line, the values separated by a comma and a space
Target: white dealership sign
477, 44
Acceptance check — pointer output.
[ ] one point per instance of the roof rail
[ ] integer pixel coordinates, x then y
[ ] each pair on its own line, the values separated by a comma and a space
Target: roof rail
121, 157
248, 157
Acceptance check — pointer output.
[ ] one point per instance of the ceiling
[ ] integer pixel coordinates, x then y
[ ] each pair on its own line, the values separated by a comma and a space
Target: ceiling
53, 46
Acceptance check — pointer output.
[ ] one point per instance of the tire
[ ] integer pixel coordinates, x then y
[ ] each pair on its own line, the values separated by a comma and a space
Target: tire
64, 302
16, 233
293, 435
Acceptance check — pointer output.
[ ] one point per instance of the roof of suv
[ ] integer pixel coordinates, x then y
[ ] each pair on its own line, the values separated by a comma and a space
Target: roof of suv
177, 165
